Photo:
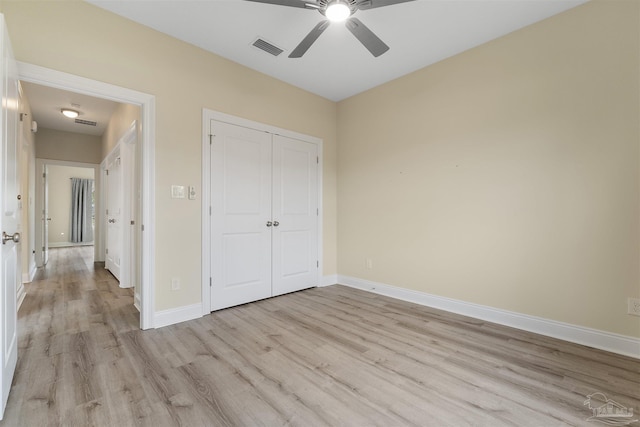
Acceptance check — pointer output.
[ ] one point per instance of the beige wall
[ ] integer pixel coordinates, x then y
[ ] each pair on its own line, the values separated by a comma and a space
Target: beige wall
59, 182
120, 121
184, 79
506, 176
73, 147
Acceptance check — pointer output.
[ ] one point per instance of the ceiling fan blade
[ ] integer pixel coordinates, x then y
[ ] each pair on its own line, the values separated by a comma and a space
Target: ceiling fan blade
290, 3
306, 43
372, 42
372, 4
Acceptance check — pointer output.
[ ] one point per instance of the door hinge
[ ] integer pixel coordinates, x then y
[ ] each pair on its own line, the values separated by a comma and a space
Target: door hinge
22, 117
317, 211
318, 159
107, 250
107, 211
133, 223
210, 211
211, 136
210, 282
43, 249
107, 171
44, 175
318, 264
142, 227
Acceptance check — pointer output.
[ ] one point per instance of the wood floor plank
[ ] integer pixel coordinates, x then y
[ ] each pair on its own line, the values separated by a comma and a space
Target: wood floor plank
330, 356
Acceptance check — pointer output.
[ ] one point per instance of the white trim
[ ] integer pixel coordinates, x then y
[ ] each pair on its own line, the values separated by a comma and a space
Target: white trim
69, 244
177, 315
32, 271
207, 116
206, 221
28, 277
331, 279
21, 293
52, 78
136, 301
615, 343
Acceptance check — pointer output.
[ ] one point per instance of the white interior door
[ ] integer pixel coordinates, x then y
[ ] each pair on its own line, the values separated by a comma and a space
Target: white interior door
295, 215
114, 216
9, 219
241, 221
45, 215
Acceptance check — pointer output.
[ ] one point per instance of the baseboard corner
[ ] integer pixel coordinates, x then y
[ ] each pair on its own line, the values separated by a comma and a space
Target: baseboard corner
328, 280
177, 315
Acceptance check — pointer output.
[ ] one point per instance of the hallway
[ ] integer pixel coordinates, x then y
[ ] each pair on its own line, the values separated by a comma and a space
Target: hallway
68, 326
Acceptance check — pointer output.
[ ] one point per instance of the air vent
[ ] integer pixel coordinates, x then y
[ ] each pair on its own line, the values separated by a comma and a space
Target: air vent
86, 122
267, 47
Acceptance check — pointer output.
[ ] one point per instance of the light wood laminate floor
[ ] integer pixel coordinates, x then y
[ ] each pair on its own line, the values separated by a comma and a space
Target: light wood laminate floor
323, 357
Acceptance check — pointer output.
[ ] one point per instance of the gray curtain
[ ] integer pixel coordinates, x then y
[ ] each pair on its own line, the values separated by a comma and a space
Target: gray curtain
81, 210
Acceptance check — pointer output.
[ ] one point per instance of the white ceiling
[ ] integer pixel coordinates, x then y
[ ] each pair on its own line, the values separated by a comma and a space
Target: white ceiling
46, 103
337, 66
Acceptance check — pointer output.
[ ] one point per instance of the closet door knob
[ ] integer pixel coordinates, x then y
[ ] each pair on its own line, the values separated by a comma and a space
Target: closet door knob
276, 223
269, 223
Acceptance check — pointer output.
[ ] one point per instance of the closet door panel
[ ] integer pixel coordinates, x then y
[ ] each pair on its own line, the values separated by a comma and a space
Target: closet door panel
295, 210
241, 208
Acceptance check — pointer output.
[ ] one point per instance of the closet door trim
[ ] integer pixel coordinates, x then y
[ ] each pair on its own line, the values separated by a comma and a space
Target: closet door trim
207, 117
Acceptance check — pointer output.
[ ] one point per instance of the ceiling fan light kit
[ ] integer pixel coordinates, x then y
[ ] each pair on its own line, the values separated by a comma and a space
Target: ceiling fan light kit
338, 11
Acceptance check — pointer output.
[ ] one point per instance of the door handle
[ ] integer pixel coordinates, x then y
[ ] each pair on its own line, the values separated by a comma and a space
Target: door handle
276, 223
48, 219
15, 238
269, 223
112, 221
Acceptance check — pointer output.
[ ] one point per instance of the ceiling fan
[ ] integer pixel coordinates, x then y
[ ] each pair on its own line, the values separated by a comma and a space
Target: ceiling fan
338, 11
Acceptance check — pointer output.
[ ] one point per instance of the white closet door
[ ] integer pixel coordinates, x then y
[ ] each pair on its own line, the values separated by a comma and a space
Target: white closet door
241, 212
114, 215
295, 204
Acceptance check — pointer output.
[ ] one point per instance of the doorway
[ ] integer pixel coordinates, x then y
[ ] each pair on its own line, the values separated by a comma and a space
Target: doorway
53, 201
51, 78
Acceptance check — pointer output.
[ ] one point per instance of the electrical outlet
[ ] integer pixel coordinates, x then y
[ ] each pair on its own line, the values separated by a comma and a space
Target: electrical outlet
633, 306
175, 284
368, 263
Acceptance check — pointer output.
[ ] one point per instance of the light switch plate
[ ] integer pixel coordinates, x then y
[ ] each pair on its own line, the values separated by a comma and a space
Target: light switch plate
177, 191
192, 192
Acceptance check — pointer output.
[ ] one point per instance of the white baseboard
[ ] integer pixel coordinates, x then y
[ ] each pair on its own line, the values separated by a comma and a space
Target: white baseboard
20, 294
177, 315
615, 343
68, 244
33, 269
329, 280
136, 300
28, 277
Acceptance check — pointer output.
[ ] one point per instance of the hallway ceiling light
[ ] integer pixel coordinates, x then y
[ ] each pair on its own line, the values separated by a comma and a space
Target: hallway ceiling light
72, 114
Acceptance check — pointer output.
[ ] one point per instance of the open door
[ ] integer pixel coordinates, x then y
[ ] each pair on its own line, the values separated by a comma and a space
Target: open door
114, 215
10, 272
45, 215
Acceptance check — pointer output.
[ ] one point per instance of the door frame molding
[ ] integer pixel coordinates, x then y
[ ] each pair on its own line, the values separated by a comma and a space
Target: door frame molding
39, 206
207, 116
65, 81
